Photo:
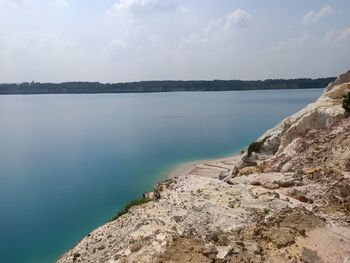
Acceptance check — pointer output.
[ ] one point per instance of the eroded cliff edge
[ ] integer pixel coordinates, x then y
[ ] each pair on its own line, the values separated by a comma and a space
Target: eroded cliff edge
286, 200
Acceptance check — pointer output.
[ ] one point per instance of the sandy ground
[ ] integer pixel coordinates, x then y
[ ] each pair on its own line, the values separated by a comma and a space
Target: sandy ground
209, 168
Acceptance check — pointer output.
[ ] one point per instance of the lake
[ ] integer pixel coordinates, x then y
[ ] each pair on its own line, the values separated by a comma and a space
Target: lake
68, 163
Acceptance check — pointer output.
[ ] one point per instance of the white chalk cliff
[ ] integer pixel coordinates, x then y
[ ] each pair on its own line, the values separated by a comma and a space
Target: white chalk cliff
320, 114
287, 202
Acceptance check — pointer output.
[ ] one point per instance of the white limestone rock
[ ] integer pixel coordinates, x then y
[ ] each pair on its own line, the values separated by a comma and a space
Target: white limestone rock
320, 114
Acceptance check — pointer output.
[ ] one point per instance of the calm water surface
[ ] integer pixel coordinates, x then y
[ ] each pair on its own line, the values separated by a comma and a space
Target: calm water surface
69, 162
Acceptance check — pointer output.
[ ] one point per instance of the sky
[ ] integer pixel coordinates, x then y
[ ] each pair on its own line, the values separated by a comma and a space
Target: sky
133, 40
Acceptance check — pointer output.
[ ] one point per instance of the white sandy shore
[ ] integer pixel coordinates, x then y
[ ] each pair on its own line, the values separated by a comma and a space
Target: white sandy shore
208, 168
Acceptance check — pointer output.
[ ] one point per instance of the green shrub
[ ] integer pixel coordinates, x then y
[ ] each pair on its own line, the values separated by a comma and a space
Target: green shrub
256, 146
129, 205
346, 103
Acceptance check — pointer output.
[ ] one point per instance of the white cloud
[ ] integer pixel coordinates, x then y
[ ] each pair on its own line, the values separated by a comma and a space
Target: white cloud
309, 55
308, 43
135, 38
314, 16
30, 4
294, 43
192, 41
214, 28
239, 18
61, 3
34, 41
29, 55
158, 40
221, 28
338, 36
17, 3
154, 39
139, 6
114, 46
185, 9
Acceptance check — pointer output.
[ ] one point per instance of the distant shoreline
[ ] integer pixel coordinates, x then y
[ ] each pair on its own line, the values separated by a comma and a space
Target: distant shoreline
32, 88
153, 92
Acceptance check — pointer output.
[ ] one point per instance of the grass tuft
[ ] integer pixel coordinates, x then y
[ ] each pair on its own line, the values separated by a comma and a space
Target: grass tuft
126, 208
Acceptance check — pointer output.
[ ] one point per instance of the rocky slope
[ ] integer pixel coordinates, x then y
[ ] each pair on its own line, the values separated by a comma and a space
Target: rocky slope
288, 200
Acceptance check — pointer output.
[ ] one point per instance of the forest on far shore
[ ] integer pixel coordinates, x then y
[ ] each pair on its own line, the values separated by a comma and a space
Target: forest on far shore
162, 86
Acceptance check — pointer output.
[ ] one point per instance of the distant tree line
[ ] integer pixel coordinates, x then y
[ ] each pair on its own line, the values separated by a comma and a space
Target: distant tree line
161, 86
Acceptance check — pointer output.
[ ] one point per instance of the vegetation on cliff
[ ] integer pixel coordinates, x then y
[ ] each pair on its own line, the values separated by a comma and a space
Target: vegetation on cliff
256, 146
126, 208
346, 103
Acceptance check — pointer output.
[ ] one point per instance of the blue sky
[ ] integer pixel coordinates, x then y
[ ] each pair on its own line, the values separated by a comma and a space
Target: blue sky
131, 40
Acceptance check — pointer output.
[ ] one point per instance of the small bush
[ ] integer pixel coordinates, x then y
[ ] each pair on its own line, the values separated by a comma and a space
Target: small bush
129, 205
256, 146
346, 103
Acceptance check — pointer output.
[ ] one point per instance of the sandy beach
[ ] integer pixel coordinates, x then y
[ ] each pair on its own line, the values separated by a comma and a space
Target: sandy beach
208, 168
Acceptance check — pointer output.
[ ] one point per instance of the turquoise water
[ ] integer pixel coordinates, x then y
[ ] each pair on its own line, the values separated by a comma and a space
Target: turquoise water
69, 162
